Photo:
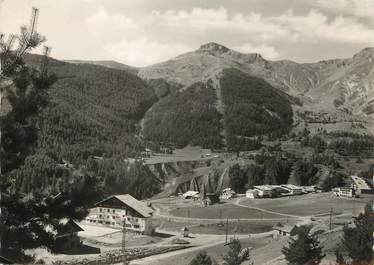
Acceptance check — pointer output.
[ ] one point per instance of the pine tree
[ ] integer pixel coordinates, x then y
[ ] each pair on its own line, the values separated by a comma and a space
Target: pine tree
235, 256
304, 248
340, 258
358, 240
202, 258
237, 178
24, 217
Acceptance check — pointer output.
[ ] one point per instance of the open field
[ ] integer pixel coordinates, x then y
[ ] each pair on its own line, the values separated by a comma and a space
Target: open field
188, 153
310, 204
222, 211
214, 226
238, 227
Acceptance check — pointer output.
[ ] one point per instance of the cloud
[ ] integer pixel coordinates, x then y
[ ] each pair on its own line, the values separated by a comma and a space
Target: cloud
315, 26
202, 21
357, 8
286, 26
268, 52
160, 35
134, 34
142, 52
102, 22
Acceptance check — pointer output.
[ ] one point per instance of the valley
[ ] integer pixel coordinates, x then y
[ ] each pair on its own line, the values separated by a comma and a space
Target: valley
206, 121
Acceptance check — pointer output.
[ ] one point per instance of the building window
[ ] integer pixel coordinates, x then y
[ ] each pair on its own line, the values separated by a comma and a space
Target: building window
108, 216
136, 226
108, 210
113, 217
100, 210
136, 219
100, 215
113, 223
114, 211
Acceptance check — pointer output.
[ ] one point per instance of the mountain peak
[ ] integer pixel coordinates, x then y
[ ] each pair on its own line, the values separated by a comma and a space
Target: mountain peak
213, 47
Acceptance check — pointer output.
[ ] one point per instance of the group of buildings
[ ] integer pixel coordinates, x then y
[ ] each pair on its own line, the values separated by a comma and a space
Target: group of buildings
354, 188
272, 191
206, 198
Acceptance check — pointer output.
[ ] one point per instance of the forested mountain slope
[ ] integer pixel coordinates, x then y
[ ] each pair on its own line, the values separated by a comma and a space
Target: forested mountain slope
89, 127
93, 110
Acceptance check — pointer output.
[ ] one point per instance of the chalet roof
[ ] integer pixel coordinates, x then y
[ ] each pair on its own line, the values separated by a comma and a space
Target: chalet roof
190, 193
133, 203
291, 187
68, 226
263, 188
360, 183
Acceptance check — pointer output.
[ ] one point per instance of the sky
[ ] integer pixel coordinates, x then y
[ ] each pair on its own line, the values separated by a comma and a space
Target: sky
144, 32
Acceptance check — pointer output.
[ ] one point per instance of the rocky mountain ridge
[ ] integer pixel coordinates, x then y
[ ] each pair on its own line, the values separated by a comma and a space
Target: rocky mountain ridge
338, 84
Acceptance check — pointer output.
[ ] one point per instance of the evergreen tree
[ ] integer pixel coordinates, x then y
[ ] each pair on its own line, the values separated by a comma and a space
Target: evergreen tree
237, 178
304, 248
358, 241
25, 216
340, 258
271, 171
202, 258
235, 255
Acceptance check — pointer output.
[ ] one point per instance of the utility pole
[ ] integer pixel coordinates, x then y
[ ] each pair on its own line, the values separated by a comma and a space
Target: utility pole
331, 211
124, 259
227, 229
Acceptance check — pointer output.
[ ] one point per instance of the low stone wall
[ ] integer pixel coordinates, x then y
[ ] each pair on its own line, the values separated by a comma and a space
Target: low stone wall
116, 256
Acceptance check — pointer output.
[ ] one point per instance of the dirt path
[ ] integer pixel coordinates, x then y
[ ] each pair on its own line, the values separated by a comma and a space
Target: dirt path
237, 202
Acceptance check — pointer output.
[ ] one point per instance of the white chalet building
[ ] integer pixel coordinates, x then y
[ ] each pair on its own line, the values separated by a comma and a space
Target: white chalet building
115, 210
293, 189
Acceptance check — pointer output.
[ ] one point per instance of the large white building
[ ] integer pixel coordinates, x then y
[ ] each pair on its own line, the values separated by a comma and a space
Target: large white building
348, 192
264, 190
115, 210
293, 189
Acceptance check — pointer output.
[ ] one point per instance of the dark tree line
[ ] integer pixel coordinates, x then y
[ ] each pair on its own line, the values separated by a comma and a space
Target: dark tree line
276, 170
272, 171
186, 117
253, 107
342, 143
